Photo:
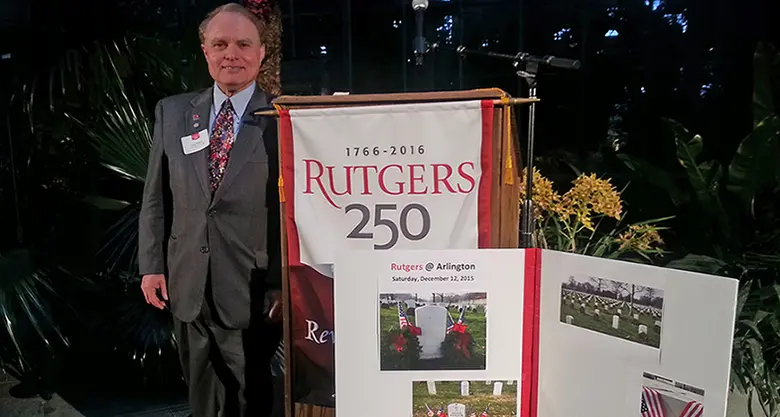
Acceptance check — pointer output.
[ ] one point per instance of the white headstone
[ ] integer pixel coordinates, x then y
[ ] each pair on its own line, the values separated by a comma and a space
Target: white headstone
642, 329
596, 312
410, 303
620, 312
615, 322
488, 382
432, 320
510, 382
569, 319
456, 410
431, 387
657, 323
464, 388
497, 388
636, 316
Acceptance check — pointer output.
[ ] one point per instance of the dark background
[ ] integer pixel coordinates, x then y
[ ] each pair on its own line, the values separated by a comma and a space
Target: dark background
642, 61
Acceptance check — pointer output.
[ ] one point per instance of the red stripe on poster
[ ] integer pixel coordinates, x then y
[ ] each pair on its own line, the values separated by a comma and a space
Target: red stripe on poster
530, 366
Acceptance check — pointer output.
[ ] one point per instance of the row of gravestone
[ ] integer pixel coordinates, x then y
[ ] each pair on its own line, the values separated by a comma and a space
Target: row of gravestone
465, 387
573, 300
609, 302
618, 312
641, 329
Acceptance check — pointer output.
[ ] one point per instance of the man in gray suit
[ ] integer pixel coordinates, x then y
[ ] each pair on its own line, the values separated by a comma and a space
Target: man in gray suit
209, 224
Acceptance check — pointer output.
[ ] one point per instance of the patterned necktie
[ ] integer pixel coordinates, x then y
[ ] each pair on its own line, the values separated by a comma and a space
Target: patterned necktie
222, 138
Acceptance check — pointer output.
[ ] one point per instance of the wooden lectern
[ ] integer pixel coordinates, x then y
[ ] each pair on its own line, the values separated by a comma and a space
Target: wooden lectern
504, 200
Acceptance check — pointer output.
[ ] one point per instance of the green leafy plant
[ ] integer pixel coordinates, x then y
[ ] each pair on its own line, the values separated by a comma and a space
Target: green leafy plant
729, 225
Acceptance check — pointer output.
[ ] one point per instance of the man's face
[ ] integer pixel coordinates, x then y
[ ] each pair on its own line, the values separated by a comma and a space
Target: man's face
233, 51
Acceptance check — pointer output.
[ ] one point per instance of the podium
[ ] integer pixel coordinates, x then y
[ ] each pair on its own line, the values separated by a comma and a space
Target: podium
502, 217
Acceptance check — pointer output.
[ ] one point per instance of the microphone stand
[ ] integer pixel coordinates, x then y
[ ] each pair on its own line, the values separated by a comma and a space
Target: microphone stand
527, 68
527, 224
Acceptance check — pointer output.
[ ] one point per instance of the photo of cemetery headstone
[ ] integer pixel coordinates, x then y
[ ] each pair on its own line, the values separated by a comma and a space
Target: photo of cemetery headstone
662, 396
628, 311
432, 331
464, 398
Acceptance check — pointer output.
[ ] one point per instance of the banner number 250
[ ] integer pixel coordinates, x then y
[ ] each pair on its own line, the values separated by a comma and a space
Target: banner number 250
379, 220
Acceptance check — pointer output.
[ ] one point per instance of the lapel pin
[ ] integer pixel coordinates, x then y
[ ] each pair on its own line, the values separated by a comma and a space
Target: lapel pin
195, 124
195, 117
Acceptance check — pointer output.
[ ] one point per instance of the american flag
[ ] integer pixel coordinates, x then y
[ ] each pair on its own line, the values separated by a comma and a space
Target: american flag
430, 412
458, 326
652, 404
450, 322
403, 321
693, 409
484, 413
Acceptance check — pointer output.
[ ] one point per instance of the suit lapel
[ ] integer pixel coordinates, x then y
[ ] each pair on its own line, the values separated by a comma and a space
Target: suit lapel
251, 132
198, 115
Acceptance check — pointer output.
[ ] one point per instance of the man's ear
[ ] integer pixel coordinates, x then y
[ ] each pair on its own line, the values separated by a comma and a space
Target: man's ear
262, 53
203, 48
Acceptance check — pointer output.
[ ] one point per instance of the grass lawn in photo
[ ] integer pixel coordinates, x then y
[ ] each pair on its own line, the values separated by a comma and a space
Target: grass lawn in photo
480, 398
615, 308
452, 331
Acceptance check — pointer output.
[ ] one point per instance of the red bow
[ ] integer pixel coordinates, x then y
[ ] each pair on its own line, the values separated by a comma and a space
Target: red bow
459, 328
462, 344
399, 343
415, 330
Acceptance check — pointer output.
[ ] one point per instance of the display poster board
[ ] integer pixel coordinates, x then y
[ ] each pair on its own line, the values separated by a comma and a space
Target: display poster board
566, 335
381, 177
466, 305
667, 353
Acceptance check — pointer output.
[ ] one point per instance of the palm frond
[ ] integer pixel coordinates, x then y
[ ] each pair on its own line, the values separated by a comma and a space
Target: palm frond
27, 296
122, 136
119, 252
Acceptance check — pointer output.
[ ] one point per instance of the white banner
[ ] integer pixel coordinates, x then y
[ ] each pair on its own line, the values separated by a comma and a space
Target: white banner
386, 177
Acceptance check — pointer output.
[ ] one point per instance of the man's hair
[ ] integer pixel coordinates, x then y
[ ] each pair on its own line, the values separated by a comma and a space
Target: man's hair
232, 8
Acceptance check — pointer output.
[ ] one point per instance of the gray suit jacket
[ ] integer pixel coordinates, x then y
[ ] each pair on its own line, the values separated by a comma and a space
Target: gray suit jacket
234, 236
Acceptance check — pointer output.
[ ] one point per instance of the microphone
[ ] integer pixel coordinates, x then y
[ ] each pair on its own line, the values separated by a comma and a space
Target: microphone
420, 44
522, 57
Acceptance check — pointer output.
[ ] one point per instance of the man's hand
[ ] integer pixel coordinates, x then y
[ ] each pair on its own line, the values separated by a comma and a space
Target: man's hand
273, 305
149, 285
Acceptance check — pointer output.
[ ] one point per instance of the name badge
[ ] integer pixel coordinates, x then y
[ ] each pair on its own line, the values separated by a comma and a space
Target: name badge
195, 142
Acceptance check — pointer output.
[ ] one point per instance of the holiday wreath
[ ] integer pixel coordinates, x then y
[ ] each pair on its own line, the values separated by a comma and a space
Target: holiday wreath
458, 348
403, 348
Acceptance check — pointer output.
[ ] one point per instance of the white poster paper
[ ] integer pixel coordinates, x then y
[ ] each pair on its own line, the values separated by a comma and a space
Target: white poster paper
377, 293
617, 338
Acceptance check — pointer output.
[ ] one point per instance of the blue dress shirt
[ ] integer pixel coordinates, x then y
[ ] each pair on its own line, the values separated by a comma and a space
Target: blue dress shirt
239, 100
